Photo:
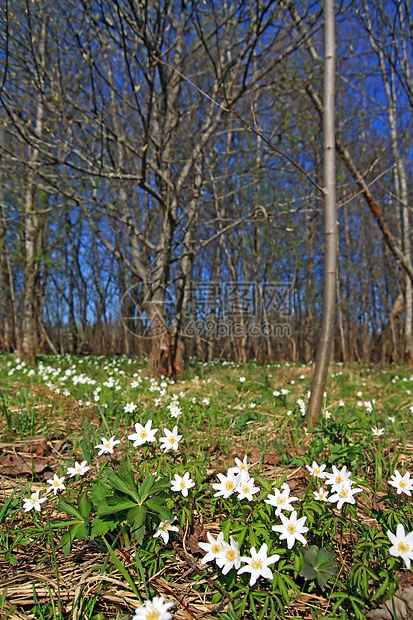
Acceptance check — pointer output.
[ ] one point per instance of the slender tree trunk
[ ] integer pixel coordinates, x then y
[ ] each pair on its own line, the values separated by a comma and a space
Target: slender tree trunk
32, 232
7, 299
346, 158
340, 317
187, 260
330, 221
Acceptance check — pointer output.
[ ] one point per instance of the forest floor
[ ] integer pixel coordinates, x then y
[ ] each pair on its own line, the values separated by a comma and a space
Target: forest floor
55, 412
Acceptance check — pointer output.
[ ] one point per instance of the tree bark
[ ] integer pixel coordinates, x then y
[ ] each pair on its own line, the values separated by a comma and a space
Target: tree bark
32, 234
330, 222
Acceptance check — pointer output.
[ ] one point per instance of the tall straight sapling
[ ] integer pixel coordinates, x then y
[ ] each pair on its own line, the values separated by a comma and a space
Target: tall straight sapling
330, 221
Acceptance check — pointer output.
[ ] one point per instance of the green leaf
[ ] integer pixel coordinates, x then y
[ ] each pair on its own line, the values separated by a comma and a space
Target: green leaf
60, 523
156, 505
122, 570
82, 531
99, 493
382, 589
103, 525
77, 531
115, 504
69, 508
241, 420
85, 505
318, 564
125, 483
5, 509
136, 518
162, 484
145, 489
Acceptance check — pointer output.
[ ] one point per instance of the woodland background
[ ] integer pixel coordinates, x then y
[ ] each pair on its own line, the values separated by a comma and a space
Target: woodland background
148, 146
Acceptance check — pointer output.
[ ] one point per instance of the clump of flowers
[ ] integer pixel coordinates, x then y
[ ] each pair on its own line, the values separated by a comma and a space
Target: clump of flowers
237, 481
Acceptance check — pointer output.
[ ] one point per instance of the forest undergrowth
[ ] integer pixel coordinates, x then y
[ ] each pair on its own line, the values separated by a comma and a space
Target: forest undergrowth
117, 489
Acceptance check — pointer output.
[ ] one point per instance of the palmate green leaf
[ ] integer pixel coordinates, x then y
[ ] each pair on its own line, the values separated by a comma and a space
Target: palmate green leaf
318, 564
69, 508
85, 505
146, 488
112, 505
99, 493
102, 525
79, 531
79, 526
162, 484
156, 505
136, 518
125, 483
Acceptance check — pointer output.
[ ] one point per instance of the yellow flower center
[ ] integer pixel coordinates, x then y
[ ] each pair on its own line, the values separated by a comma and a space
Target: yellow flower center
343, 492
291, 528
230, 555
106, 444
317, 471
166, 527
339, 478
182, 484
143, 433
403, 483
281, 500
257, 564
56, 483
403, 547
229, 485
172, 439
215, 549
152, 615
245, 489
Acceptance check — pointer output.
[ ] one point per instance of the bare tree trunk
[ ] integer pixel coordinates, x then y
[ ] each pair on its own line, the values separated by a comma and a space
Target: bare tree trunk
364, 335
7, 298
187, 260
348, 160
28, 325
214, 292
340, 319
400, 181
330, 222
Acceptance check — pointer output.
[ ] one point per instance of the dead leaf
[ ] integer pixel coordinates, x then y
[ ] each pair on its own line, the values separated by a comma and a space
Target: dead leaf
36, 446
193, 538
14, 464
